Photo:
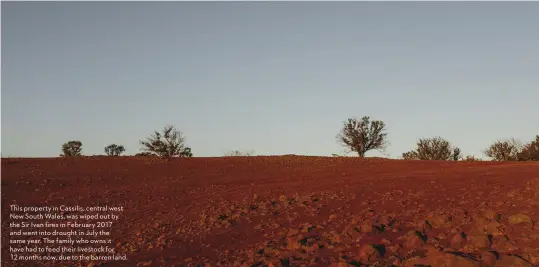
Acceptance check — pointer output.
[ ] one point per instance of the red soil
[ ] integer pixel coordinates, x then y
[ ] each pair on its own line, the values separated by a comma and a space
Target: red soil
273, 211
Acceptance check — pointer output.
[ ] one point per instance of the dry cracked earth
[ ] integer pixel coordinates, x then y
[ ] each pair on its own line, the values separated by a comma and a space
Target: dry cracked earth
292, 210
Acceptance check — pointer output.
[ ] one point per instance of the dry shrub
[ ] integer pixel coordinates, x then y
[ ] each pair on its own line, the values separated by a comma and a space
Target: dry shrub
72, 149
506, 150
435, 148
530, 151
237, 153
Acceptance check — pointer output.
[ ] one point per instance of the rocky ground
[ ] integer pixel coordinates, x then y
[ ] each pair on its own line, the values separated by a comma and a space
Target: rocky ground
293, 210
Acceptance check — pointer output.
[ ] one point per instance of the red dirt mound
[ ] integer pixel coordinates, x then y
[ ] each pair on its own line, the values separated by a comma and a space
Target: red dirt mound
289, 210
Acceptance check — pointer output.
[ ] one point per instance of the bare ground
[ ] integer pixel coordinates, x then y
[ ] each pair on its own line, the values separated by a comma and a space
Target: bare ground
292, 210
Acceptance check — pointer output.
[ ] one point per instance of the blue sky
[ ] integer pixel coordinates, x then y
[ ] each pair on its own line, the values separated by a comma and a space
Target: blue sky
271, 77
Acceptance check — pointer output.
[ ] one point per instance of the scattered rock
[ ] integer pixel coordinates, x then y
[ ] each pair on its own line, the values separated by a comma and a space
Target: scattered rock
440, 221
368, 253
478, 241
443, 259
489, 214
161, 241
488, 258
366, 227
458, 240
512, 261
292, 243
415, 240
145, 263
519, 218
493, 228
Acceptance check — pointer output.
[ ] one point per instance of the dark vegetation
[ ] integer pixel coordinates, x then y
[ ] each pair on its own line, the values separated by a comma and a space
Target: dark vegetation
363, 135
114, 150
169, 143
435, 148
71, 149
530, 151
237, 153
357, 135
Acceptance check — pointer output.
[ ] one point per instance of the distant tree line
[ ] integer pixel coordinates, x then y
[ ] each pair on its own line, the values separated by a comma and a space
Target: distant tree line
364, 135
357, 135
170, 143
237, 153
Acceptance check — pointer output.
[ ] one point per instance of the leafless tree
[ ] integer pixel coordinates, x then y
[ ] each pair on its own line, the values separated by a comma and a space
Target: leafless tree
169, 144
363, 135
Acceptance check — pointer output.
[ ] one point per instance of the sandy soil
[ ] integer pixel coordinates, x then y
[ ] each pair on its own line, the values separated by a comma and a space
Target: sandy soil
293, 210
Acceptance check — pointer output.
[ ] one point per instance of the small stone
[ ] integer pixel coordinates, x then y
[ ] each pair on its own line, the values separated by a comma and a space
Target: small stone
415, 240
440, 221
293, 243
458, 240
282, 198
368, 253
488, 259
386, 241
533, 258
512, 193
519, 218
493, 228
453, 260
502, 244
292, 232
477, 241
489, 214
366, 227
513, 261
145, 263
161, 241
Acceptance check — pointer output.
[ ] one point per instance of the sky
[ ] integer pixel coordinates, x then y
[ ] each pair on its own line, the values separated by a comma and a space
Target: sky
269, 77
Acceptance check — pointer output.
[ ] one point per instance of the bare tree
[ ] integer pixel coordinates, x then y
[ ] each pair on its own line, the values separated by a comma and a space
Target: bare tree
72, 149
114, 150
506, 150
170, 143
363, 135
530, 151
435, 148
